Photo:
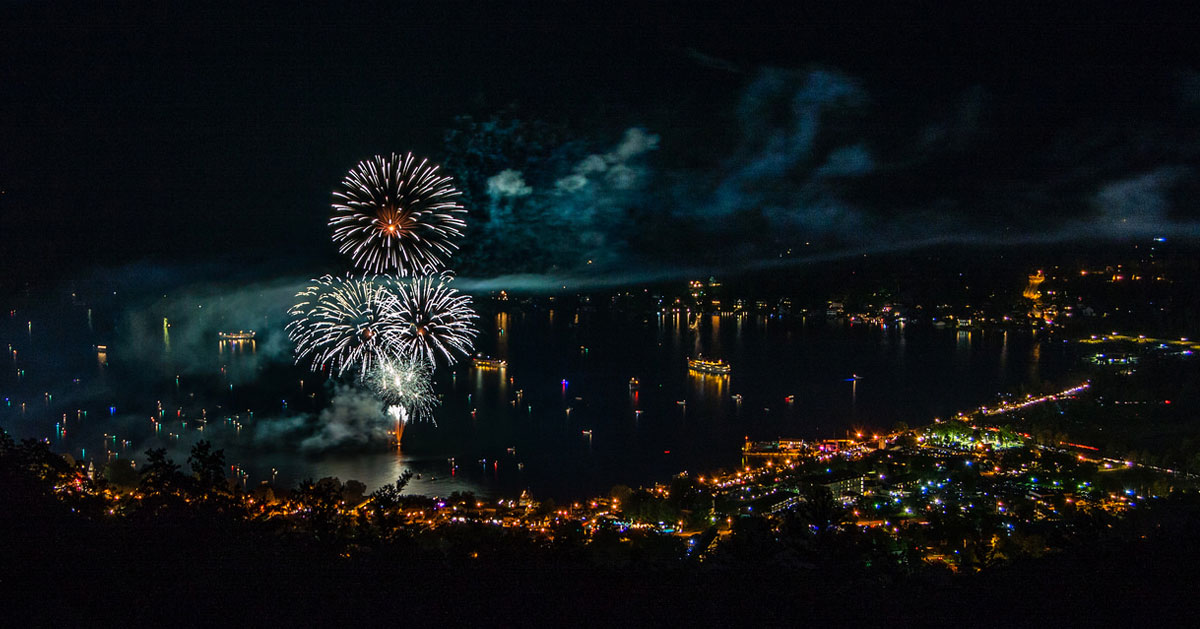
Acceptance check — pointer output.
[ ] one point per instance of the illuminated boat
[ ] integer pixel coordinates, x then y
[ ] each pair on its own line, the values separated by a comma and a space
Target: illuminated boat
709, 366
240, 335
633, 384
484, 362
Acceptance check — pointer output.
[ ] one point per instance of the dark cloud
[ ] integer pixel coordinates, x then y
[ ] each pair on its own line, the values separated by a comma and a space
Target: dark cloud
819, 165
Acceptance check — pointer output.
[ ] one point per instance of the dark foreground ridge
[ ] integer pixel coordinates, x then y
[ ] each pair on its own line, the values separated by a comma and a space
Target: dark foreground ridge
160, 581
191, 556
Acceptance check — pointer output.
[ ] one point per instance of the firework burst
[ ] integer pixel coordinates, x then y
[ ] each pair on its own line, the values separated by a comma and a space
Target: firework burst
343, 323
405, 384
435, 320
397, 215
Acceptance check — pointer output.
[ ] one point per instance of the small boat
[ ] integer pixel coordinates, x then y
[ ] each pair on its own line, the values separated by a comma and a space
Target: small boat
633, 384
737, 397
587, 433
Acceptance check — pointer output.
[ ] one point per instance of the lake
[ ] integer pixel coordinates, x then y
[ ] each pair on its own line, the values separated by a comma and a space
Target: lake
560, 420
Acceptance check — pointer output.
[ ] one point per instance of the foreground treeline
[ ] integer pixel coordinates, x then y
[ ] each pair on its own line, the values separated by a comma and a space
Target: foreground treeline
47, 494
49, 499
186, 538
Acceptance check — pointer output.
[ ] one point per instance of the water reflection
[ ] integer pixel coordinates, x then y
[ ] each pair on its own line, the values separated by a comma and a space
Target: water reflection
1002, 361
502, 335
714, 342
1035, 357
237, 346
708, 386
962, 353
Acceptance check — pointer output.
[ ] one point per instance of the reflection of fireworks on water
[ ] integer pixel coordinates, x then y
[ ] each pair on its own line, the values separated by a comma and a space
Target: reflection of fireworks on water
397, 215
341, 323
407, 386
400, 416
436, 320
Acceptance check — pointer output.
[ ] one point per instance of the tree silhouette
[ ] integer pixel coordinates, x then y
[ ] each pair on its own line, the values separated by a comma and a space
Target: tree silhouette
208, 468
386, 499
821, 511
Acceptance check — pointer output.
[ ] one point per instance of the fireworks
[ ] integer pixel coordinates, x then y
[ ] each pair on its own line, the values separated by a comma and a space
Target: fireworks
343, 323
407, 386
435, 320
397, 215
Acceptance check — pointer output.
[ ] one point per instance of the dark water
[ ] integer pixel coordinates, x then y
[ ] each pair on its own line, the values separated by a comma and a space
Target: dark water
571, 370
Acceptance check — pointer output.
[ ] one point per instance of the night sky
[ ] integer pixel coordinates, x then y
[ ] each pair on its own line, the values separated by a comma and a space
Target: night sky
719, 137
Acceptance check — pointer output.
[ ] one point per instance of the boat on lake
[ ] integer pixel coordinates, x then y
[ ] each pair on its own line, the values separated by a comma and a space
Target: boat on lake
704, 365
486, 362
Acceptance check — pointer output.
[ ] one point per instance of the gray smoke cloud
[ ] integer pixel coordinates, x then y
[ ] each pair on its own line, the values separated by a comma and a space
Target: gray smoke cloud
1139, 206
613, 168
196, 313
355, 419
781, 115
507, 183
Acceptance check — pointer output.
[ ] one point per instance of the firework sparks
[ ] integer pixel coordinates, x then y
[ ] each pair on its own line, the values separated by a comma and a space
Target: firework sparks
397, 215
407, 386
436, 320
342, 323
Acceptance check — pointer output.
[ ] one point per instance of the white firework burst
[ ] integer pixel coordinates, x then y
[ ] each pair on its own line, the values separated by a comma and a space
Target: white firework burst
397, 215
436, 321
406, 385
342, 323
